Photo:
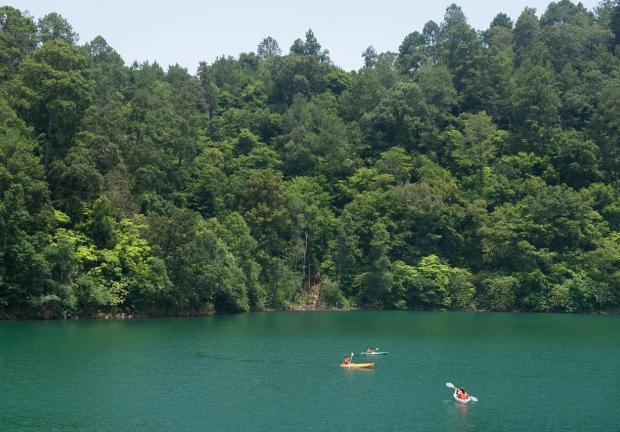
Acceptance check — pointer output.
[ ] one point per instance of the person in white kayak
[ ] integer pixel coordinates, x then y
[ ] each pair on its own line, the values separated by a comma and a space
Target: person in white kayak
461, 393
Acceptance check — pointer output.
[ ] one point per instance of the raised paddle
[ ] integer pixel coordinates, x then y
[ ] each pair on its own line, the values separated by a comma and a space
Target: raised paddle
452, 386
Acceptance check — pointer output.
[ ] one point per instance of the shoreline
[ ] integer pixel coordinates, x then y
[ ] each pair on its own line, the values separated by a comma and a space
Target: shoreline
121, 316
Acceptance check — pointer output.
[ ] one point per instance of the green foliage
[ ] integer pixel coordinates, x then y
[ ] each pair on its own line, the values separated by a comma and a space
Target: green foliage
52, 91
479, 143
403, 117
332, 296
18, 38
467, 170
432, 283
268, 48
500, 292
54, 27
375, 284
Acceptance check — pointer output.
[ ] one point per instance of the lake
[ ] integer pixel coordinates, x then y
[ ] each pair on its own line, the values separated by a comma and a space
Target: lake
280, 371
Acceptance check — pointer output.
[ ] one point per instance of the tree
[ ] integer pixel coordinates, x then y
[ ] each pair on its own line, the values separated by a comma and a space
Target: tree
615, 23
54, 84
264, 201
313, 223
376, 283
268, 48
298, 47
316, 141
370, 57
209, 88
604, 126
54, 27
536, 100
403, 117
527, 38
565, 12
143, 276
575, 157
479, 143
433, 36
434, 283
236, 234
502, 20
499, 59
76, 181
344, 252
295, 74
500, 292
427, 218
413, 52
366, 90
18, 38
108, 72
397, 163
462, 53
442, 98
26, 218
311, 47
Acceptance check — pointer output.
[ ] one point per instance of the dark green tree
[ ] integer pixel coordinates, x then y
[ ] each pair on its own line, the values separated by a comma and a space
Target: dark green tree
53, 90
53, 26
18, 38
268, 48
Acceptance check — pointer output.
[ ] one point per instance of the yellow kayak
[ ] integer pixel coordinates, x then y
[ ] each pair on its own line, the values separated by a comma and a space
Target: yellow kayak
358, 365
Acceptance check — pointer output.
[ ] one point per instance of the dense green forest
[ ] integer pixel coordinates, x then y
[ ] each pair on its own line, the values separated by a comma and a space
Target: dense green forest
469, 170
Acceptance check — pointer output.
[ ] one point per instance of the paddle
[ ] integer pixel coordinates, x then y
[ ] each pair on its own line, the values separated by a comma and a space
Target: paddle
452, 386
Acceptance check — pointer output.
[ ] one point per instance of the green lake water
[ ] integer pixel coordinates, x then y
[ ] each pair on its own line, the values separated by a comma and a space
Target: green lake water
280, 372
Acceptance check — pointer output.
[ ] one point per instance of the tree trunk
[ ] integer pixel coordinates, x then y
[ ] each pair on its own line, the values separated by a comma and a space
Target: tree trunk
306, 259
48, 143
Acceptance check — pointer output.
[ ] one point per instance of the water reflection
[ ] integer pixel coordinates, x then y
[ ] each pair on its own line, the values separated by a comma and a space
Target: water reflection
462, 409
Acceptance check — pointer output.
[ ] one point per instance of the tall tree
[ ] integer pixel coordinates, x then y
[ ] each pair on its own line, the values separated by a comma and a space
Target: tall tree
268, 48
615, 23
53, 26
370, 57
54, 90
462, 52
18, 38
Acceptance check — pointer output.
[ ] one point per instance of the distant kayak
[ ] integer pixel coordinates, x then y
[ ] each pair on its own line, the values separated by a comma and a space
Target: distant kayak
458, 399
358, 365
466, 400
374, 353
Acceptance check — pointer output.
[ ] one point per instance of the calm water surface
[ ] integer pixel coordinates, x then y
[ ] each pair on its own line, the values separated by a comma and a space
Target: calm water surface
279, 372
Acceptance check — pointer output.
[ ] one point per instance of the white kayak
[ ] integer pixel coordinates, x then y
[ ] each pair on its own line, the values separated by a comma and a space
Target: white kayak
458, 399
468, 399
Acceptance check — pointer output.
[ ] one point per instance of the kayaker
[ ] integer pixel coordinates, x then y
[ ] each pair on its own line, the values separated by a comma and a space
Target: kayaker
369, 350
346, 361
461, 393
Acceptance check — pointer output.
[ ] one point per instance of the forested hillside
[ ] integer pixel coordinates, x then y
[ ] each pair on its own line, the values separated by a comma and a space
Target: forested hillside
470, 169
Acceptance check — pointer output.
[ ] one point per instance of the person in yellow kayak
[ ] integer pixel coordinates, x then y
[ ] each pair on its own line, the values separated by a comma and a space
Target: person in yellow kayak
346, 361
461, 393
